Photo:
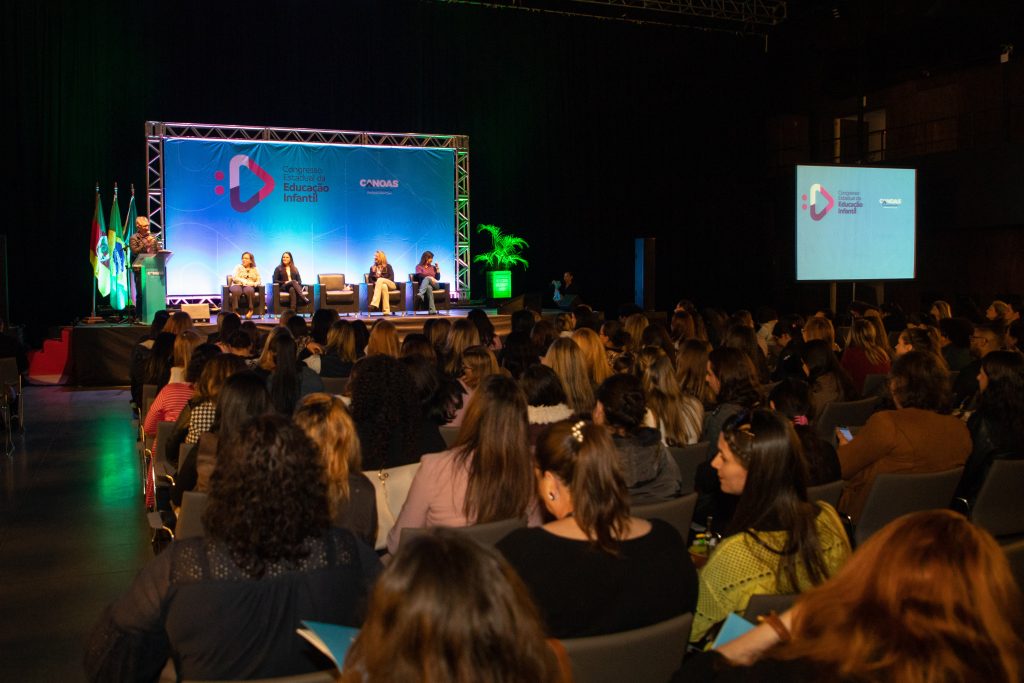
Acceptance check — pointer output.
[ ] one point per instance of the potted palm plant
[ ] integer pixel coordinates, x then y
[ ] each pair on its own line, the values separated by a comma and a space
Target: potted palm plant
504, 254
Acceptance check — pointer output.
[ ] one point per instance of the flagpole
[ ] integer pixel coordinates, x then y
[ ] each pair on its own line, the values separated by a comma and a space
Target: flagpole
92, 319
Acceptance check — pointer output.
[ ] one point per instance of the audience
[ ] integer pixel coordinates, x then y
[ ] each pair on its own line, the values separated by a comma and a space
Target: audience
864, 355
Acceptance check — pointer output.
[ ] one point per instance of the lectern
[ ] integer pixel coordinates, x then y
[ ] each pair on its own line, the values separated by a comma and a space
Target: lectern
153, 271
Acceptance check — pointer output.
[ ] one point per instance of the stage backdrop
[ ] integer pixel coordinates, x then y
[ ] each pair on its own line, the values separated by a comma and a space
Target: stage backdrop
332, 206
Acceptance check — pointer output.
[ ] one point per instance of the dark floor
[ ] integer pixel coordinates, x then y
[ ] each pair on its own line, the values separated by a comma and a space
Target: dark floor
72, 528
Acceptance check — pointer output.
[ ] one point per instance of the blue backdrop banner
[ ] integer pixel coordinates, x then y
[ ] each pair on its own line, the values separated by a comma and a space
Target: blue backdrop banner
331, 206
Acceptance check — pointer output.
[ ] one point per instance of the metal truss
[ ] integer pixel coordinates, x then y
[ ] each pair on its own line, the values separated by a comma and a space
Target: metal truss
157, 132
749, 17
177, 301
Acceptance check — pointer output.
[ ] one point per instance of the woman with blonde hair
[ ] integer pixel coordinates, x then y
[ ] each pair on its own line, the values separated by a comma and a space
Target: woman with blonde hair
382, 279
350, 495
692, 370
874, 316
930, 598
820, 328
478, 362
449, 609
635, 326
485, 477
941, 310
383, 339
678, 417
864, 355
461, 336
339, 354
265, 361
566, 359
178, 323
594, 356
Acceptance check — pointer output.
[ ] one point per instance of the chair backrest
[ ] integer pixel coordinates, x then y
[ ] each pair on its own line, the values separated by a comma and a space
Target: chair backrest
148, 396
183, 453
828, 493
331, 280
894, 495
9, 372
484, 534
845, 413
677, 512
335, 385
190, 517
651, 653
449, 434
330, 676
688, 459
164, 431
873, 384
1015, 554
997, 508
763, 603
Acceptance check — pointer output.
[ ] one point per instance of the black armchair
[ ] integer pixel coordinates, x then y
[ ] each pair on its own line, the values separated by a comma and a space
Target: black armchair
258, 305
334, 293
280, 300
396, 296
442, 296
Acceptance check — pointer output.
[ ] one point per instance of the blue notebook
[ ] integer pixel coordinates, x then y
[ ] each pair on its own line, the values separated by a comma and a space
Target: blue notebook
734, 627
331, 639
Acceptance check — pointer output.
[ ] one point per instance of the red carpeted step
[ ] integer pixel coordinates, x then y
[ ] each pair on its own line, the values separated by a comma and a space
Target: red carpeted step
51, 364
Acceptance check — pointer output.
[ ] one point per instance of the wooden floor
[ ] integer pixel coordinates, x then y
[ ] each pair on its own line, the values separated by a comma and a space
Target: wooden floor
72, 528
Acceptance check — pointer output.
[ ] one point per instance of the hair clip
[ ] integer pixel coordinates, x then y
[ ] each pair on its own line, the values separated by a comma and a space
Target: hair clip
745, 428
577, 431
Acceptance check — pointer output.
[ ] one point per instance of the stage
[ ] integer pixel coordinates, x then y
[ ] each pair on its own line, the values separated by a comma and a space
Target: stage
98, 355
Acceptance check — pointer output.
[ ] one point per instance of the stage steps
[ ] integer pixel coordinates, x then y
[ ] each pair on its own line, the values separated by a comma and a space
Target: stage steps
51, 365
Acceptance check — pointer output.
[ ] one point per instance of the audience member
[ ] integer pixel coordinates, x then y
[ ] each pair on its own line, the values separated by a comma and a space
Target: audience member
827, 379
791, 397
677, 416
864, 354
566, 359
384, 408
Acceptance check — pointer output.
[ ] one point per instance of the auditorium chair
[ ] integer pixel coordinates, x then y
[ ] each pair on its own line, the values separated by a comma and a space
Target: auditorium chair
894, 495
997, 507
677, 512
828, 493
651, 653
485, 534
762, 604
335, 385
843, 413
442, 297
280, 301
688, 458
259, 302
396, 295
334, 293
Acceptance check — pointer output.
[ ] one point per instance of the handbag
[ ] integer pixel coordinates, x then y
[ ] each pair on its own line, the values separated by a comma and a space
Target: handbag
391, 486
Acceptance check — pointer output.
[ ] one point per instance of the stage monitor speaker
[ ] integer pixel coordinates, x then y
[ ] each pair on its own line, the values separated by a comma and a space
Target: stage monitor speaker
523, 301
197, 311
643, 273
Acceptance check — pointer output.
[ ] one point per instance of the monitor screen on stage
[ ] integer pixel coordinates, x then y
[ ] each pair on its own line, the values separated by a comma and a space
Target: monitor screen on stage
855, 223
331, 206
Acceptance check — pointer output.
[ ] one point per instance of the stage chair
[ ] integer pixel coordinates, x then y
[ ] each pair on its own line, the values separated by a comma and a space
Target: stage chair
484, 534
651, 653
997, 508
688, 458
845, 413
763, 603
677, 512
397, 296
828, 493
442, 297
259, 303
334, 293
895, 495
280, 301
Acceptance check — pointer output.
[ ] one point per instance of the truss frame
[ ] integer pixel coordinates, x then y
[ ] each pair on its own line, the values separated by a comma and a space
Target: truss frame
158, 131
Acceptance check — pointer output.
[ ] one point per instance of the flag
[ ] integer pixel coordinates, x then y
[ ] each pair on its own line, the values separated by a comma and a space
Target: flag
118, 258
99, 250
128, 231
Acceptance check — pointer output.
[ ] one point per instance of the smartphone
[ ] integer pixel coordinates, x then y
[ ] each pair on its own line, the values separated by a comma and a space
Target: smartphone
845, 431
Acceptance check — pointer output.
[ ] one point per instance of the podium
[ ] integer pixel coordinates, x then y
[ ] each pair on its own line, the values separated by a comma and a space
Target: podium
153, 277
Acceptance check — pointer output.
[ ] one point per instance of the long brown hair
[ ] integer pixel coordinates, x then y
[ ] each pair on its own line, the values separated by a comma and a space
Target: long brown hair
928, 599
692, 369
680, 417
583, 456
341, 341
463, 334
493, 445
448, 609
215, 373
326, 421
594, 357
566, 359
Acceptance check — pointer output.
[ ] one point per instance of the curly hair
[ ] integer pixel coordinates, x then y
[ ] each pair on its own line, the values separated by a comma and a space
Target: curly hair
268, 494
383, 405
326, 421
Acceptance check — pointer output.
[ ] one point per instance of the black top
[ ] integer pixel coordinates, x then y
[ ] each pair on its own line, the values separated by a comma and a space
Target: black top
333, 366
359, 515
281, 276
711, 666
388, 273
194, 601
990, 441
581, 591
426, 438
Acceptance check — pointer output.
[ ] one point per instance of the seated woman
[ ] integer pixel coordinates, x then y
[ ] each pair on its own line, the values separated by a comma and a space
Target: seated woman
227, 605
930, 597
778, 542
650, 473
382, 280
383, 339
566, 359
997, 424
437, 400
287, 276
384, 409
350, 495
427, 274
244, 281
791, 397
545, 399
478, 363
678, 417
173, 396
485, 477
595, 359
596, 569
691, 365
339, 354
488, 335
864, 354
827, 379
243, 397
918, 436
449, 609
288, 380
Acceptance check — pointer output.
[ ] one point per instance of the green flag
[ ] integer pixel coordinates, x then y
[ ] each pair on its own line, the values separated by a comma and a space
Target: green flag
99, 250
118, 258
128, 231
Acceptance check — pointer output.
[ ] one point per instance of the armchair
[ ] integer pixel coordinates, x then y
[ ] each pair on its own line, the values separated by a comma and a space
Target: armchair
334, 293
396, 296
442, 296
258, 305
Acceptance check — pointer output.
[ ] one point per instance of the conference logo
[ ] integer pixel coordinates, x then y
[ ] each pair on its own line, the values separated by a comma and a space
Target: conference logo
817, 189
235, 183
378, 182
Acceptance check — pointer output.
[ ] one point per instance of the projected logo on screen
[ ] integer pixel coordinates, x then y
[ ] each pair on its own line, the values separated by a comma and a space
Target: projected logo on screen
235, 183
817, 189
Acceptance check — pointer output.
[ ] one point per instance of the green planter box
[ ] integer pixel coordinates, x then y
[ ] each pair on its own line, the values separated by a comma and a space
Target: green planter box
499, 284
